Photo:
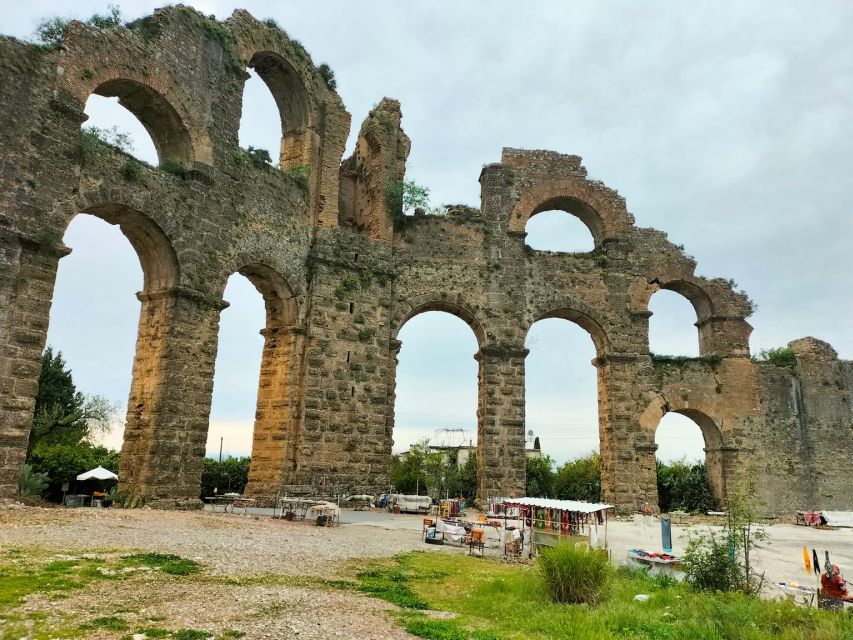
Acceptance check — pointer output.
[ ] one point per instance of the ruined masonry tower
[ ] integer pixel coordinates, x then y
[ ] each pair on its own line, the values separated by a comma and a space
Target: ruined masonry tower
339, 281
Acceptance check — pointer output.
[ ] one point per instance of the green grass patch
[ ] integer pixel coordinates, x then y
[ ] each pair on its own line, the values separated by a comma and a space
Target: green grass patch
167, 563
153, 632
190, 634
495, 600
110, 623
24, 573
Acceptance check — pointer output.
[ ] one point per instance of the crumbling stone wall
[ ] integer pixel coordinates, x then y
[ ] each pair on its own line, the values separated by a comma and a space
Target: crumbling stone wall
340, 276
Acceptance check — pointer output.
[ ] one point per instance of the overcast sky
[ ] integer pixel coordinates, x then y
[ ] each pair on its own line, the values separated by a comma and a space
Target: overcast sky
727, 125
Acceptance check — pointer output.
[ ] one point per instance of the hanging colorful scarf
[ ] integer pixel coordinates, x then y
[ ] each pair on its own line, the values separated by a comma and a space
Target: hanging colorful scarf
816, 562
807, 560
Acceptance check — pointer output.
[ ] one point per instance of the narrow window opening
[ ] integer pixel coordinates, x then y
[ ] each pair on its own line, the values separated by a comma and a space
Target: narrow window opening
351, 307
260, 117
352, 392
348, 355
672, 326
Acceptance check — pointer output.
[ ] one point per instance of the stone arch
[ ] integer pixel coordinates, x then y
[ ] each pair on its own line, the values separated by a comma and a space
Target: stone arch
274, 434
579, 198
145, 86
279, 299
164, 303
695, 294
461, 311
578, 208
165, 126
721, 312
156, 253
416, 307
299, 119
585, 319
704, 416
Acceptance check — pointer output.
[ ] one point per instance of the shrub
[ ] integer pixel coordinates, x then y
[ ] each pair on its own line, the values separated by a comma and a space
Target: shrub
132, 170
402, 198
328, 76
94, 141
31, 483
723, 562
708, 564
109, 21
51, 31
575, 574
259, 157
781, 357
173, 167
299, 174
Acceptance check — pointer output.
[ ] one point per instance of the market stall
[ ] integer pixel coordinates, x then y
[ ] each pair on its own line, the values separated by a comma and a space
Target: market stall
549, 520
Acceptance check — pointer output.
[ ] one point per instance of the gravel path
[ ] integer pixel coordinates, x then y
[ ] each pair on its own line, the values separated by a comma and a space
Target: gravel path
228, 545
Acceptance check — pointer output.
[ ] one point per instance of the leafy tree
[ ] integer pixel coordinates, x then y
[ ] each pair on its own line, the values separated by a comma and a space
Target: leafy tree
540, 477
62, 414
781, 357
685, 487
402, 198
110, 20
579, 479
408, 475
463, 479
64, 422
259, 157
50, 32
722, 561
328, 76
231, 476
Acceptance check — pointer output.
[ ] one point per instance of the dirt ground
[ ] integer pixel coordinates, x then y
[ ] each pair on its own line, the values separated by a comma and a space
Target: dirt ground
276, 561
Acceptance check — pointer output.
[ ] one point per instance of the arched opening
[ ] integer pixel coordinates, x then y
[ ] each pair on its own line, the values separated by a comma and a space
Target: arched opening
139, 121
260, 118
558, 231
689, 462
672, 325
293, 106
235, 381
561, 409
95, 323
251, 408
435, 410
114, 124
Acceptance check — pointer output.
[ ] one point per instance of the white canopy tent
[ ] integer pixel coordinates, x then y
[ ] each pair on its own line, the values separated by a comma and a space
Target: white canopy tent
562, 505
98, 473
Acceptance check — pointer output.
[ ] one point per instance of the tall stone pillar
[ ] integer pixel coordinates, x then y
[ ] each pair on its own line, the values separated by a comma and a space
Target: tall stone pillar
169, 405
500, 422
721, 462
277, 415
628, 474
26, 288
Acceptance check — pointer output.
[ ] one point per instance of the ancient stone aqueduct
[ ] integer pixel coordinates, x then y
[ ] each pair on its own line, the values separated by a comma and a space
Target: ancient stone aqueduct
339, 281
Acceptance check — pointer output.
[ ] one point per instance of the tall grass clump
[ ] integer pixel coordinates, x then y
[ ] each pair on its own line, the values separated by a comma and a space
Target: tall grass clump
575, 574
